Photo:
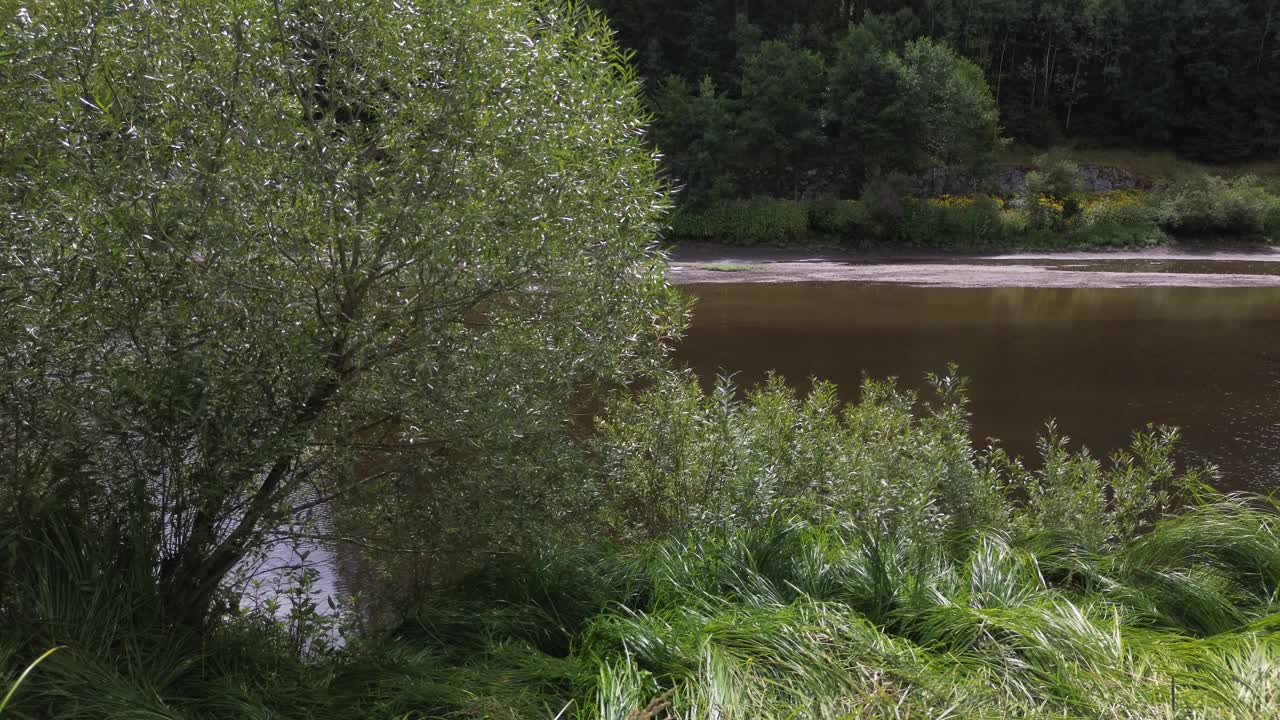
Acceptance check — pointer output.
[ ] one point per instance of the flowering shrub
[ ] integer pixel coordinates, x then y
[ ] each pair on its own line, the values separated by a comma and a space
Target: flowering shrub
954, 201
1048, 204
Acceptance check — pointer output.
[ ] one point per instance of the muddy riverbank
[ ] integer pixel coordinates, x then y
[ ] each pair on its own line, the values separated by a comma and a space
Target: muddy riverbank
1159, 267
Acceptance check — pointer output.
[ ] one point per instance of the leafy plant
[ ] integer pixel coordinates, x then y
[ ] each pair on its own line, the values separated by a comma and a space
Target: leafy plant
16, 684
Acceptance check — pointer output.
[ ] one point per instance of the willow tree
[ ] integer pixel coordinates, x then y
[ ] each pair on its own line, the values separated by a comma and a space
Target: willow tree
259, 257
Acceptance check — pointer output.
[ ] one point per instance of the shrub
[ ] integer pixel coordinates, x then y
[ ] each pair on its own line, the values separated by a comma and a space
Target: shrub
1051, 195
779, 222
1054, 177
1050, 213
922, 225
1118, 219
885, 199
276, 191
846, 219
1271, 223
982, 223
677, 458
699, 223
955, 223
1211, 205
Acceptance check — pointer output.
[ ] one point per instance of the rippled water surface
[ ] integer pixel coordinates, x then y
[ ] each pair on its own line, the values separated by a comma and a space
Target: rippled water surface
1100, 361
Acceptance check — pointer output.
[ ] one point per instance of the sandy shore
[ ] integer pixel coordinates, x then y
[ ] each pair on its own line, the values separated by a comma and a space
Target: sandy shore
1157, 267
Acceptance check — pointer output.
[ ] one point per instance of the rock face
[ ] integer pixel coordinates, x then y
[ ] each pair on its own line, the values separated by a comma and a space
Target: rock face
1009, 180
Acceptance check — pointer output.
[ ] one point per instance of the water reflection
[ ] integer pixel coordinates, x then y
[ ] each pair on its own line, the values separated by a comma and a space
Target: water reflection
1101, 361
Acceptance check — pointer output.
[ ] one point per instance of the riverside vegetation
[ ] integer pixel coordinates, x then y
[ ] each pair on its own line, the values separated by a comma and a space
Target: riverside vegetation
1052, 212
348, 275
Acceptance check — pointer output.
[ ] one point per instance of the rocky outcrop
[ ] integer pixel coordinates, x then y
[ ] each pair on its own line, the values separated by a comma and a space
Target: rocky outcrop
1010, 179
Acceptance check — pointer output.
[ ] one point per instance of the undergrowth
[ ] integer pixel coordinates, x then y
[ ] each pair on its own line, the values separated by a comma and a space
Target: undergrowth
791, 619
766, 556
1050, 214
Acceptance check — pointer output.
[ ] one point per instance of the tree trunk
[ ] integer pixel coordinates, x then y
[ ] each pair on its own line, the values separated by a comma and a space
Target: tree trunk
1048, 73
191, 578
1035, 86
1071, 103
1004, 42
1266, 30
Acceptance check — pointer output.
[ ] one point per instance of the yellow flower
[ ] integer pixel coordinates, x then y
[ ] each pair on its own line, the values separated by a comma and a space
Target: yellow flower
957, 201
1048, 203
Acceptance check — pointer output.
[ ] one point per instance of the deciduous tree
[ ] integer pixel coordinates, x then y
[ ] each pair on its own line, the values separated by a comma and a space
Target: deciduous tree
257, 258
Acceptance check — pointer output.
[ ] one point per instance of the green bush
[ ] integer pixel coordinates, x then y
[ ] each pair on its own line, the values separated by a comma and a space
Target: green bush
699, 224
1108, 212
676, 458
981, 224
1051, 195
1054, 177
783, 551
888, 213
1110, 235
1271, 223
885, 199
1206, 205
845, 219
922, 224
755, 222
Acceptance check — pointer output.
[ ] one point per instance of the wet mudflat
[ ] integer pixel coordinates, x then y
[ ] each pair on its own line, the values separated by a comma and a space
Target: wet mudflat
1154, 268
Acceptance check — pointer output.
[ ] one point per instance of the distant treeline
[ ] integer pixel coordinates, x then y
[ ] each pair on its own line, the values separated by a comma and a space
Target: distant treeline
1200, 78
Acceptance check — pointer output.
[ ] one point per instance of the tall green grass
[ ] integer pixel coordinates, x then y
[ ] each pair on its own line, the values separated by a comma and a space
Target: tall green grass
119, 659
792, 618
799, 620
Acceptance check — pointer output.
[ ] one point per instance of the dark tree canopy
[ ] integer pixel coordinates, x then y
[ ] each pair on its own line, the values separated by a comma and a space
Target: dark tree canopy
1202, 79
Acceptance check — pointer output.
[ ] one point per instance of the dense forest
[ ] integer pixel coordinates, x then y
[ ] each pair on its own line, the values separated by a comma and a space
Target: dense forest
741, 87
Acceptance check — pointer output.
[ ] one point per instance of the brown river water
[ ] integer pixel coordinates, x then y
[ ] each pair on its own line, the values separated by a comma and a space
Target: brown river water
1102, 361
